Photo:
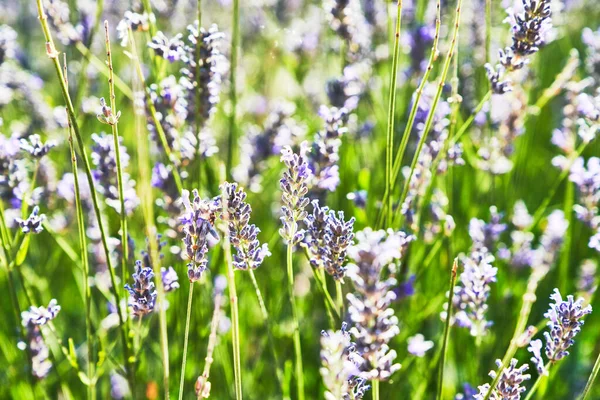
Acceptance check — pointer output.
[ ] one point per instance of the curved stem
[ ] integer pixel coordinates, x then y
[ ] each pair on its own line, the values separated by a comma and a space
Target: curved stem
235, 39
436, 99
297, 346
53, 55
447, 327
265, 314
537, 382
185, 338
115, 133
591, 379
392, 111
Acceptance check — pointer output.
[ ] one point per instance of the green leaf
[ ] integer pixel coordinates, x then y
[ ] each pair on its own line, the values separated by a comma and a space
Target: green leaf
22, 253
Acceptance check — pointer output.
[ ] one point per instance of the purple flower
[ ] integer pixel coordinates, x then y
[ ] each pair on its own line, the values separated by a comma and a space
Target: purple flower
565, 321
33, 224
470, 296
142, 295
169, 49
340, 363
418, 346
509, 385
328, 239
197, 220
294, 187
242, 235
374, 256
170, 280
40, 315
34, 146
119, 387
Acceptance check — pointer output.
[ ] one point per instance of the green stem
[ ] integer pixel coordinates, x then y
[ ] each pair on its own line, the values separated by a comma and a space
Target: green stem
375, 389
528, 300
339, 297
185, 339
436, 99
153, 114
198, 95
591, 379
297, 346
447, 327
85, 272
413, 112
537, 382
53, 55
115, 133
392, 111
235, 38
265, 314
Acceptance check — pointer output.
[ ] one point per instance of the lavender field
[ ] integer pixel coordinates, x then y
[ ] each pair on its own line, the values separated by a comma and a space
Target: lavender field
298, 199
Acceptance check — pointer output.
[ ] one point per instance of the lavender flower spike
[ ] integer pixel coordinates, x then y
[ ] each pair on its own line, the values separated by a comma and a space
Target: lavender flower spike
170, 280
509, 386
329, 238
197, 222
243, 236
142, 295
41, 315
34, 146
33, 224
294, 187
375, 255
564, 323
340, 366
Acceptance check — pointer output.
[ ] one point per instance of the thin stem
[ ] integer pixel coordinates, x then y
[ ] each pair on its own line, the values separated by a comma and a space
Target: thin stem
101, 67
436, 99
392, 111
413, 112
84, 260
297, 346
233, 300
537, 382
447, 327
591, 379
147, 206
375, 389
212, 342
53, 55
154, 115
185, 338
339, 297
198, 94
528, 300
265, 314
235, 39
115, 133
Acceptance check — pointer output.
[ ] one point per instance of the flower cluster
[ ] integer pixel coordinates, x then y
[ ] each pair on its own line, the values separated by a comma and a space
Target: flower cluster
197, 224
242, 235
347, 20
104, 158
592, 41
59, 14
135, 21
279, 130
345, 91
142, 295
324, 154
200, 77
528, 31
375, 257
564, 321
470, 296
294, 187
328, 239
8, 43
33, 224
509, 385
32, 320
340, 363
587, 181
418, 346
34, 146
170, 280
